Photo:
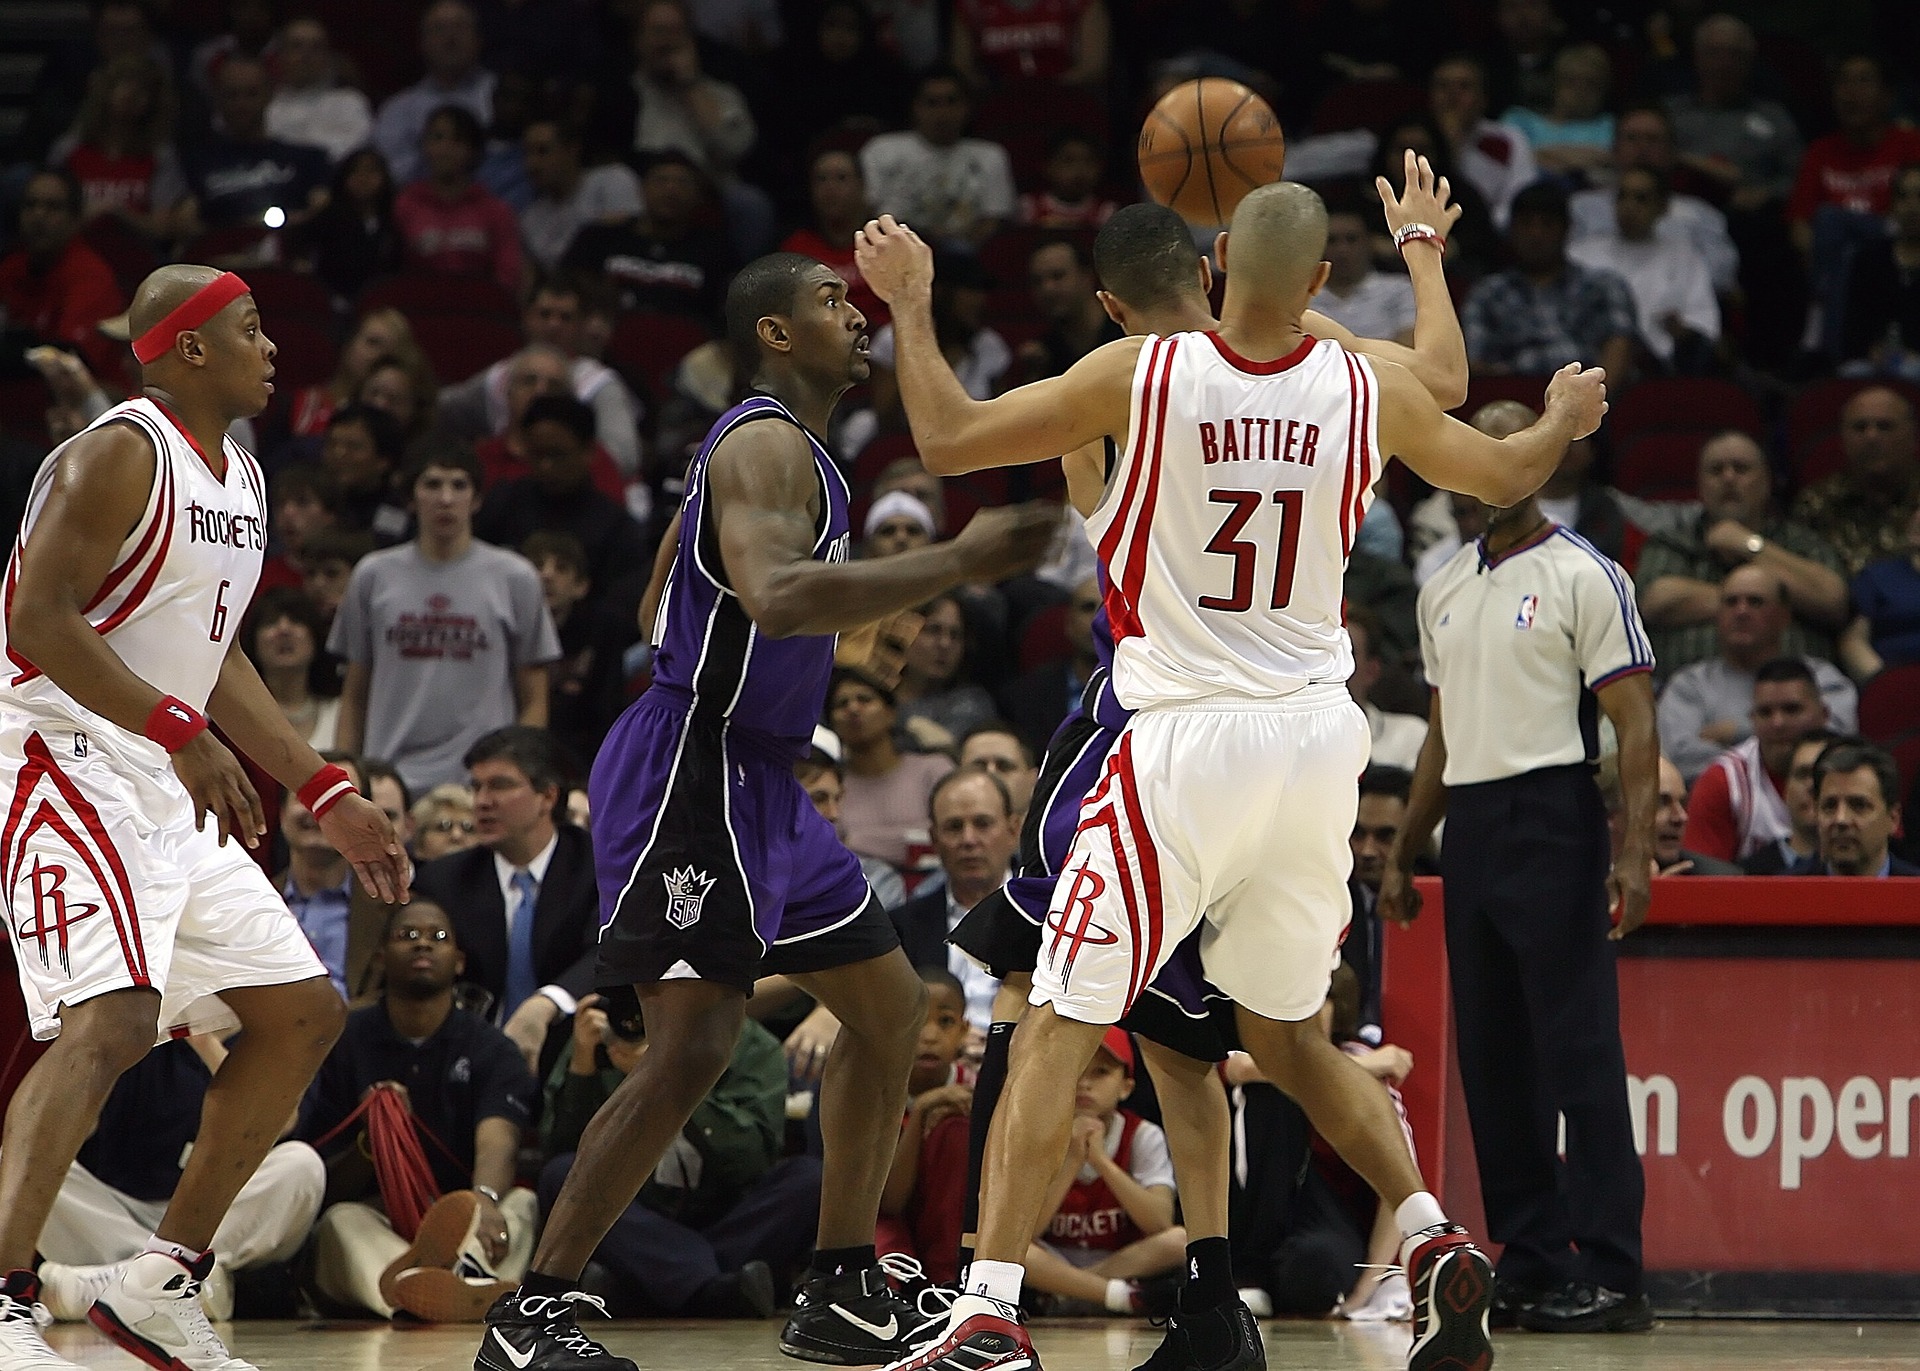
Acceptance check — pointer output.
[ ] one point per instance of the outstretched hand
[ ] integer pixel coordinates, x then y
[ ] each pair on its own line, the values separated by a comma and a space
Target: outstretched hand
360, 831
1425, 199
893, 259
1008, 540
879, 649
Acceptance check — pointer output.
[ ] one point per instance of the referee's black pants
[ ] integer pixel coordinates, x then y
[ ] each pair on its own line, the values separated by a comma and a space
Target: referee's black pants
1536, 1007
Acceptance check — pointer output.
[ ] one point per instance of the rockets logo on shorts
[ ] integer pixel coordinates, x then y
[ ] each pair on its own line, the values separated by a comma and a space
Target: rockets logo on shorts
686, 890
52, 916
1074, 925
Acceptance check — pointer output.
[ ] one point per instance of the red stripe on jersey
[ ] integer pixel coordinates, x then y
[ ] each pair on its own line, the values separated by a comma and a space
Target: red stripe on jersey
1365, 483
145, 584
1149, 867
1346, 484
1107, 819
1134, 577
1273, 368
162, 514
1110, 541
219, 473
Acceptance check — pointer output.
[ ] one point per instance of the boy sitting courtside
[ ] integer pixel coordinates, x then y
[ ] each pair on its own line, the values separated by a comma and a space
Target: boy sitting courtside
921, 1208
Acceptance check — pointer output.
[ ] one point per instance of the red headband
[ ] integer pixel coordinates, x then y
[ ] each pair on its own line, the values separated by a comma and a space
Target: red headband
190, 313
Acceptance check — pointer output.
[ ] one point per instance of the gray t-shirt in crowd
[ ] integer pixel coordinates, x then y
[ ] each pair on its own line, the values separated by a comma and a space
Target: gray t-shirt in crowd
442, 641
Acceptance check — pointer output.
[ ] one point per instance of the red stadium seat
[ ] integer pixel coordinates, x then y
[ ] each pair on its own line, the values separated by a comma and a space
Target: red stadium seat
1890, 704
1820, 461
877, 456
1815, 414
1024, 117
459, 345
967, 495
648, 347
1694, 403
1484, 390
1372, 105
1661, 465
429, 293
1906, 753
306, 353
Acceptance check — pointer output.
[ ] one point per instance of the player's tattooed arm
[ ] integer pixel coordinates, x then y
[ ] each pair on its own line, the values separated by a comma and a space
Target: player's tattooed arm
764, 495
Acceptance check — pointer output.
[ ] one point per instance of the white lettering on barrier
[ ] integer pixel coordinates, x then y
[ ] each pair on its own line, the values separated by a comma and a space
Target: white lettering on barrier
1806, 1118
1640, 1096
1733, 1117
1859, 1106
1902, 1091
1797, 1146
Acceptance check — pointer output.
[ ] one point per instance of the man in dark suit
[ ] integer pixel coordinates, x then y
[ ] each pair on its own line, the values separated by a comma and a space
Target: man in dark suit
535, 970
971, 819
1853, 786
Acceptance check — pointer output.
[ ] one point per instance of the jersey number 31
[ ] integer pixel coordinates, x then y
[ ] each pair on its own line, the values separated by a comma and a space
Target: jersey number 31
1227, 542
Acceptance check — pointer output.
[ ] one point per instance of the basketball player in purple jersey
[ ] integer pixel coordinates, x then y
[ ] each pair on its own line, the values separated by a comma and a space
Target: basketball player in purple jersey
714, 868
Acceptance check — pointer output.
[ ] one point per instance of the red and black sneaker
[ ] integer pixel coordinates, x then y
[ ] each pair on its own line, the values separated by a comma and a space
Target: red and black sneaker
984, 1335
1452, 1284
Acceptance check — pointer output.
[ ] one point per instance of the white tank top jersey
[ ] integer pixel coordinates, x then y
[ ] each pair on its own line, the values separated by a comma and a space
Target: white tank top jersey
181, 581
1227, 522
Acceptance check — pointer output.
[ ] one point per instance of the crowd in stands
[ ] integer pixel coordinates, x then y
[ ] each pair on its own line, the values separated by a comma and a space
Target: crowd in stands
492, 241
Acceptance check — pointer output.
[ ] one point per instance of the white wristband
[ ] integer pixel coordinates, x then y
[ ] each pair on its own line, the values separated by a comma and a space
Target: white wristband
1412, 233
489, 1192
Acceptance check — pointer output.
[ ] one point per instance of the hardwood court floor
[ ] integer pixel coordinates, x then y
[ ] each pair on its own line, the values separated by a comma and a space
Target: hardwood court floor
1079, 1346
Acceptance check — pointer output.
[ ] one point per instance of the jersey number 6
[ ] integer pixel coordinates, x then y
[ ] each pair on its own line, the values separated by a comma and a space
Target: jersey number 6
1227, 542
219, 627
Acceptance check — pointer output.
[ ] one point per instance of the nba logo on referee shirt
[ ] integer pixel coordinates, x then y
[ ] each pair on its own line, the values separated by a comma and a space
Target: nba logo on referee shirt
686, 890
1529, 606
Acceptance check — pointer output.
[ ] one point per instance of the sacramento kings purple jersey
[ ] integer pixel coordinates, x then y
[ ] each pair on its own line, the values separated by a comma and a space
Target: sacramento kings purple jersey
708, 648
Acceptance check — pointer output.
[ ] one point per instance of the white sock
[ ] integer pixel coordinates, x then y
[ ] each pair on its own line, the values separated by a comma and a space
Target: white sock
996, 1280
186, 1256
1119, 1297
1417, 1213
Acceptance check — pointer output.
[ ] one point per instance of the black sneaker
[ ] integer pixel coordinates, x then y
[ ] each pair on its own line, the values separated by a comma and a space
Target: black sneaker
1232, 1325
1582, 1307
853, 1319
1452, 1283
541, 1333
1156, 1297
1509, 1302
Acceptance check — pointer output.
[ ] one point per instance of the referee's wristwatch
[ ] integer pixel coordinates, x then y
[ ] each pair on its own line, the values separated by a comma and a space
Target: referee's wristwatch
489, 1192
1755, 544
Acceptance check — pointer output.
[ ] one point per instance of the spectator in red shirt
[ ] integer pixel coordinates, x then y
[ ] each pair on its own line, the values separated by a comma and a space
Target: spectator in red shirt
838, 190
997, 41
449, 223
1845, 186
52, 285
1072, 198
121, 150
1739, 804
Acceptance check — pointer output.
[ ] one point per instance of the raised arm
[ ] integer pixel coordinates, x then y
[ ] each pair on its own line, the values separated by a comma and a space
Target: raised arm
956, 433
762, 489
1455, 456
1438, 357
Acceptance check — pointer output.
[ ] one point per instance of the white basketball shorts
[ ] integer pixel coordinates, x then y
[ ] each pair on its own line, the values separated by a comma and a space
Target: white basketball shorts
108, 885
1232, 815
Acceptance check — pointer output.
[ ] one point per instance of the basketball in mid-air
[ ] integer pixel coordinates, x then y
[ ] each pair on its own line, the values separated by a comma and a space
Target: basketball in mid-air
1206, 144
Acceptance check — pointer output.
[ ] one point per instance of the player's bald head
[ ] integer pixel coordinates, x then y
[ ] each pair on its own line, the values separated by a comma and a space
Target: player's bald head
1503, 418
164, 291
1277, 238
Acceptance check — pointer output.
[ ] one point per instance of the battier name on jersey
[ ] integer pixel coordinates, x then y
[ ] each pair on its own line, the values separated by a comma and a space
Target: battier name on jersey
1246, 440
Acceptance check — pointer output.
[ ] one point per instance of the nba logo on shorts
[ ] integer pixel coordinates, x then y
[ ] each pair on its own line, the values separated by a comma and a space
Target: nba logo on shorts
686, 889
1529, 606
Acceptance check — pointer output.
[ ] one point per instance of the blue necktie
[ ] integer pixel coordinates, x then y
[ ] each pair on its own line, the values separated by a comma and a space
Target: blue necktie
521, 982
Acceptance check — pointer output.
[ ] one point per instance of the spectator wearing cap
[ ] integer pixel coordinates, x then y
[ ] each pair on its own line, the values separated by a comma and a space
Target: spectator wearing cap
309, 106
896, 522
1862, 511
1546, 311
1643, 137
52, 285
1854, 790
450, 49
567, 196
884, 809
724, 1210
445, 637
1739, 804
1681, 569
976, 837
488, 404
1705, 707
662, 262
952, 189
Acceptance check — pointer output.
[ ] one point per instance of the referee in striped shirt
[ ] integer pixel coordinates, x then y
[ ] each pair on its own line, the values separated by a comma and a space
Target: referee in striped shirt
1529, 633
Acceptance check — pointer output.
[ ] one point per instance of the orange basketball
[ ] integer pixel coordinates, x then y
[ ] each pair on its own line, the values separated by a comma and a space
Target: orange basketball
1206, 144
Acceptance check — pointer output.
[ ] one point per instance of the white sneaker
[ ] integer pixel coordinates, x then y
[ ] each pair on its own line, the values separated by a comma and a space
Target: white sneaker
22, 1316
69, 1291
1391, 1301
153, 1310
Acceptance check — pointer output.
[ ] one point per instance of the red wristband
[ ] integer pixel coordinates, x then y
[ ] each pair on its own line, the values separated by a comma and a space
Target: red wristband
175, 723
326, 788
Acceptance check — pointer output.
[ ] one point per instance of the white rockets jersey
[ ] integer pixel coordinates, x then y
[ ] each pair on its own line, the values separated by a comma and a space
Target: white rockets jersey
1227, 521
181, 582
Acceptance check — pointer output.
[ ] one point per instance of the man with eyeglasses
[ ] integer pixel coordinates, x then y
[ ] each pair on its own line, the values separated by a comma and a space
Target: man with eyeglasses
1863, 510
523, 901
461, 1081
